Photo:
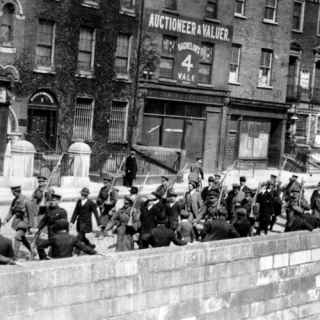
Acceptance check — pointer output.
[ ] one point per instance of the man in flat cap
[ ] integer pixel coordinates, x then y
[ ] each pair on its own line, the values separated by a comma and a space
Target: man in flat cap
82, 215
163, 188
106, 201
21, 222
7, 255
62, 244
125, 223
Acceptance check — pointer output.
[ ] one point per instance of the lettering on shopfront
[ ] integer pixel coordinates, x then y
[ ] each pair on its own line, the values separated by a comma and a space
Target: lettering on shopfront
199, 29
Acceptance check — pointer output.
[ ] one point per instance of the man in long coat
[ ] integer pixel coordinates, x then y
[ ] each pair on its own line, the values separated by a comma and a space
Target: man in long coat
82, 215
131, 169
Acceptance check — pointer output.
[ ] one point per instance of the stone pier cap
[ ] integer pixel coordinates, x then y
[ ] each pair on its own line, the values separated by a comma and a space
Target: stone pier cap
247, 278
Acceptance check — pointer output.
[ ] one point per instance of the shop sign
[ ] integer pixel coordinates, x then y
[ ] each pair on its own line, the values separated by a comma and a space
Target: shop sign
198, 29
304, 79
187, 62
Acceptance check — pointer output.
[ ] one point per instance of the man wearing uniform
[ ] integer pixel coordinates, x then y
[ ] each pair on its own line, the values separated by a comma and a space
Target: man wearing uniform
6, 250
214, 187
173, 210
297, 220
196, 172
193, 201
62, 243
234, 196
292, 185
163, 189
106, 201
242, 224
315, 202
20, 219
82, 215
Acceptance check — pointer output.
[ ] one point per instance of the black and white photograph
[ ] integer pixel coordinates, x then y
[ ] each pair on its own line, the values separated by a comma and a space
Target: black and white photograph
159, 159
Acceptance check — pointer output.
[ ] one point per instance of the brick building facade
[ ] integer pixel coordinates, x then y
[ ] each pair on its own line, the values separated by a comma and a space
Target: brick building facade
257, 81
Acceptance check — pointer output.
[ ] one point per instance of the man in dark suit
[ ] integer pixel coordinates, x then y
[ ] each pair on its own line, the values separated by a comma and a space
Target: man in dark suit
242, 223
162, 236
131, 169
6, 250
163, 189
62, 243
82, 215
151, 210
173, 210
213, 188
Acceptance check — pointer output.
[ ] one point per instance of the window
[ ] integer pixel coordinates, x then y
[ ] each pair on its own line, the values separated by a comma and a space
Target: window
205, 64
235, 63
45, 45
301, 126
293, 76
118, 122
6, 24
240, 7
122, 55
86, 50
128, 5
265, 68
171, 4
298, 15
270, 10
83, 119
169, 45
316, 81
212, 9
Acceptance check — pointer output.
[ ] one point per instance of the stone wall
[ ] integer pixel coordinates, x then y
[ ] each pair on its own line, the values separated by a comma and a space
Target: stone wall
261, 278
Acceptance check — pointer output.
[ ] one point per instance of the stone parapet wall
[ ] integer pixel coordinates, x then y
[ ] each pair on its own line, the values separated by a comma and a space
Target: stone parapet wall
261, 278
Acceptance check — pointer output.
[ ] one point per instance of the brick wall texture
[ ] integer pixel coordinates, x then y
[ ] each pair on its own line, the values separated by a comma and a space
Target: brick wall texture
261, 278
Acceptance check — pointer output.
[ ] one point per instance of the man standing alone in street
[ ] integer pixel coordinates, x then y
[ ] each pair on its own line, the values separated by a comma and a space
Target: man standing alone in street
131, 169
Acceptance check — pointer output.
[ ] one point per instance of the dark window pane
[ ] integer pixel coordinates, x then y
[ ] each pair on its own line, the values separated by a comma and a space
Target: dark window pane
166, 68
212, 9
171, 4
175, 109
155, 107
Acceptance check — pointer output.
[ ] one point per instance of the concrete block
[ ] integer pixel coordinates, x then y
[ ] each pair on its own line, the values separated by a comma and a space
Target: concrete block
315, 254
280, 260
290, 314
126, 268
237, 283
267, 277
309, 309
213, 304
266, 263
300, 257
103, 269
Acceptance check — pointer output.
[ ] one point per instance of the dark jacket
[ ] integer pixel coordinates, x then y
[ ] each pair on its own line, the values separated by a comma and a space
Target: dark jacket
173, 214
149, 217
298, 223
213, 191
218, 230
243, 227
266, 209
131, 166
83, 215
62, 245
51, 217
6, 250
161, 236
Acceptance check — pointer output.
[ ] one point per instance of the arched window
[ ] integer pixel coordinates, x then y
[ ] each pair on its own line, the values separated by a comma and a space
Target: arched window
7, 24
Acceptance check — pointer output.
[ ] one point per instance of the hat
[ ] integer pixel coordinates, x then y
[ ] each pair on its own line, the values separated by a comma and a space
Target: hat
184, 214
134, 190
107, 178
85, 191
295, 188
193, 183
60, 225
128, 198
171, 193
211, 179
16, 188
235, 185
241, 212
273, 176
243, 179
42, 179
217, 175
238, 204
55, 196
165, 178
294, 176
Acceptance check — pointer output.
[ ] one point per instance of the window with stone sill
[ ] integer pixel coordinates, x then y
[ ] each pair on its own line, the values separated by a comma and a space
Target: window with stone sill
128, 5
298, 15
240, 7
212, 9
265, 68
7, 25
44, 57
86, 51
270, 10
205, 64
118, 122
167, 60
122, 60
91, 3
170, 5
235, 63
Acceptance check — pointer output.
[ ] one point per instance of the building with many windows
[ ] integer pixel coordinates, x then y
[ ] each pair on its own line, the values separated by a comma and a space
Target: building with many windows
257, 113
183, 81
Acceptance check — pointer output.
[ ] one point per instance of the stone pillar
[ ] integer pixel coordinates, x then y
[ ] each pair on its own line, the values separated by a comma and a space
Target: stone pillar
79, 160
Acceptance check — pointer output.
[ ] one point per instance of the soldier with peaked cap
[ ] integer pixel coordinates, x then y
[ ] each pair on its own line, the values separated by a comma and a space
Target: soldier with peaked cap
214, 187
293, 184
7, 255
21, 222
82, 215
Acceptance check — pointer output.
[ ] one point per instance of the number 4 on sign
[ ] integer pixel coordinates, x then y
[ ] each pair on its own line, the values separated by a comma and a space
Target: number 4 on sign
187, 63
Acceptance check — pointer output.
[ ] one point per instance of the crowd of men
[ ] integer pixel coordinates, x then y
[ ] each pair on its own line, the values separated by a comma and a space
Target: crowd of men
202, 214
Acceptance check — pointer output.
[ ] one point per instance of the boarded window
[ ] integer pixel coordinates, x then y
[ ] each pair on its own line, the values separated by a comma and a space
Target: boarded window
122, 54
169, 45
83, 119
301, 125
118, 122
86, 49
45, 44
